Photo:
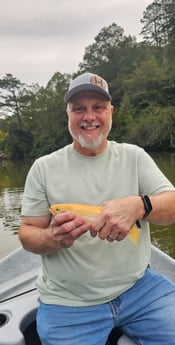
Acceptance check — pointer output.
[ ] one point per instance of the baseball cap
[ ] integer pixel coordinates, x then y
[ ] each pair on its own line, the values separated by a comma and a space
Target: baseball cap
87, 82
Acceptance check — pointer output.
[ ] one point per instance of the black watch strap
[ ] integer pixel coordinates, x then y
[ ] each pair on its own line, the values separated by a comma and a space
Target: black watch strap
147, 205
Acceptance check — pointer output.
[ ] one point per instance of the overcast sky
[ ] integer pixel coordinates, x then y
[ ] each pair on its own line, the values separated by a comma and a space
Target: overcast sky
41, 37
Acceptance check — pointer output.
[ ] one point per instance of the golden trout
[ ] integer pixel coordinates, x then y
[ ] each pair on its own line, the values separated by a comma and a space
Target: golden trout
90, 213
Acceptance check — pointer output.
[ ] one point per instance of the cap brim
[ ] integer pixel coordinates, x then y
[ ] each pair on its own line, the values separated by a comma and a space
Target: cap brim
85, 87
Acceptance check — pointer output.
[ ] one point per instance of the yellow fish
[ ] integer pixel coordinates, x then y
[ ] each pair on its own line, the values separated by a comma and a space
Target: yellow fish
89, 213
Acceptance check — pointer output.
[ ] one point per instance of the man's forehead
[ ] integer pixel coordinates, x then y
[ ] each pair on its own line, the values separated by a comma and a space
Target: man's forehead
88, 95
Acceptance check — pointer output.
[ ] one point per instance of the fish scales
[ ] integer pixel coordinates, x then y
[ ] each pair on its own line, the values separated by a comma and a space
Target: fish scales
90, 213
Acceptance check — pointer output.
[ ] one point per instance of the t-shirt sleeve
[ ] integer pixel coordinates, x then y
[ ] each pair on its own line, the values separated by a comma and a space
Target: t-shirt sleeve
34, 201
151, 178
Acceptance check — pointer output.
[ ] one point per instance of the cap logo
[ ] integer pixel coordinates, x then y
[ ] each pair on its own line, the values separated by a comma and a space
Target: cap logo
96, 80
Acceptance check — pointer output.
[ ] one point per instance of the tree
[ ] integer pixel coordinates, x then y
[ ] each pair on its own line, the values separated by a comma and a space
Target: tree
18, 144
154, 129
3, 136
46, 116
155, 19
97, 53
159, 22
170, 23
14, 97
146, 85
10, 103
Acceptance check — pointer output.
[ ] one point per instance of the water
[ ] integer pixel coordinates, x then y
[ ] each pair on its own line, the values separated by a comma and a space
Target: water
12, 178
164, 236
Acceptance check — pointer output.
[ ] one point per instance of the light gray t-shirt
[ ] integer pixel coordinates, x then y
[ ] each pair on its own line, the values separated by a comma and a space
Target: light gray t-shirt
92, 271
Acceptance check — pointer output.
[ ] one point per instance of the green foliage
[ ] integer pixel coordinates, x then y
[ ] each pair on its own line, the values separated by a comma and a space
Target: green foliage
141, 77
46, 116
122, 118
97, 53
159, 23
18, 144
154, 129
14, 98
3, 136
146, 85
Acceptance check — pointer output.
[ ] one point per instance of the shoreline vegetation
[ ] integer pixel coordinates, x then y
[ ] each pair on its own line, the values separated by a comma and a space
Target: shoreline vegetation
141, 77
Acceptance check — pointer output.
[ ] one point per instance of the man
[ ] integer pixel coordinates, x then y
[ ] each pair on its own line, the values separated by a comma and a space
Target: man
94, 278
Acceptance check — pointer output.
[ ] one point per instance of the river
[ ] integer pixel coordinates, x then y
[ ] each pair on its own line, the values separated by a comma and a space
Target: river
12, 178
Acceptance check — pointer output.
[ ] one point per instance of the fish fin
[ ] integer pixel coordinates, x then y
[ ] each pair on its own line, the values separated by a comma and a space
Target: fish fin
52, 211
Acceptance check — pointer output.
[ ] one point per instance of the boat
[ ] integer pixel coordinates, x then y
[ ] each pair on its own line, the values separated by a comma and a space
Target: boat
19, 297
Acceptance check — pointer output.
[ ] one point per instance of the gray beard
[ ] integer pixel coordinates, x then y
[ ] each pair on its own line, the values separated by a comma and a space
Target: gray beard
86, 143
90, 144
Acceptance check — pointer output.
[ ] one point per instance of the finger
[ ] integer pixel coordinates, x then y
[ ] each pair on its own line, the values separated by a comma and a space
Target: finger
120, 236
78, 231
117, 236
98, 224
66, 240
62, 217
67, 227
104, 232
76, 226
110, 238
93, 233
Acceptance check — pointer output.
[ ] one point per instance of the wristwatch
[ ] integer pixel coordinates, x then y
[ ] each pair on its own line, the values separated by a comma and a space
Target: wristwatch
147, 205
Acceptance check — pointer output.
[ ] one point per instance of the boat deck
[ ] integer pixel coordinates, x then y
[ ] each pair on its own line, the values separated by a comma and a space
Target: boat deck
19, 298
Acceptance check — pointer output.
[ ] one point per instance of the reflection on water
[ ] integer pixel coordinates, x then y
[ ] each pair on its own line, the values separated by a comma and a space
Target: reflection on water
163, 237
166, 162
10, 203
12, 178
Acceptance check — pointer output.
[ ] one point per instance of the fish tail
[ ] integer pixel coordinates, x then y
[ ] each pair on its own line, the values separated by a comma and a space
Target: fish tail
134, 234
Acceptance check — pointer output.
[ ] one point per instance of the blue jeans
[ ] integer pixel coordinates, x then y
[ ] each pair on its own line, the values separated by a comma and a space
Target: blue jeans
146, 313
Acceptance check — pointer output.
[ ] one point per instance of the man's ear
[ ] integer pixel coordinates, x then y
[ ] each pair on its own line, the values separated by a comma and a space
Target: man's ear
67, 109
